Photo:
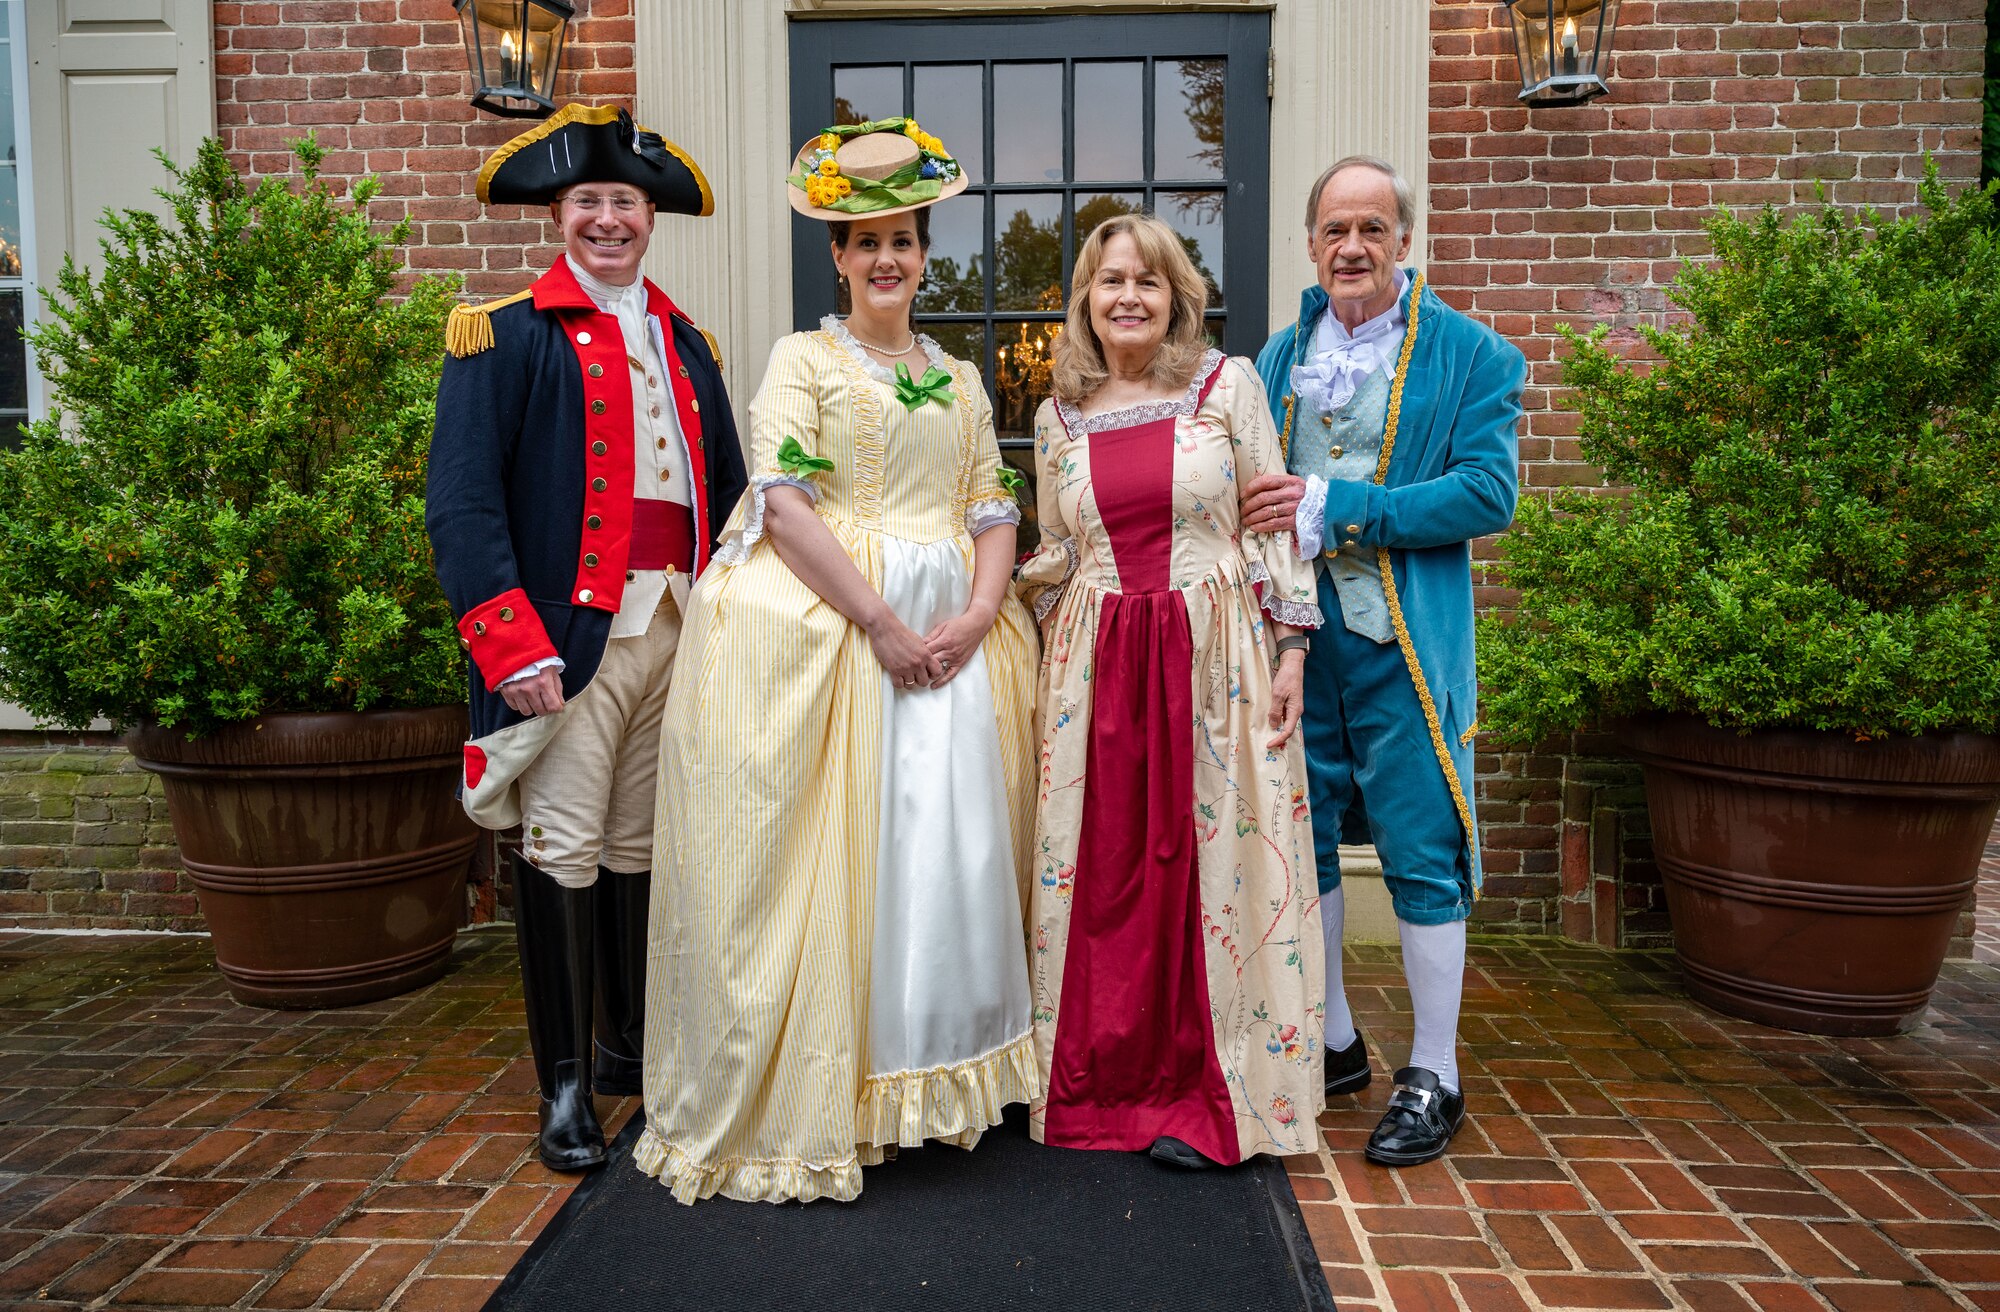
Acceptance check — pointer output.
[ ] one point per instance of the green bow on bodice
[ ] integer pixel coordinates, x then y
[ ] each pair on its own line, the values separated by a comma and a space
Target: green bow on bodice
935, 386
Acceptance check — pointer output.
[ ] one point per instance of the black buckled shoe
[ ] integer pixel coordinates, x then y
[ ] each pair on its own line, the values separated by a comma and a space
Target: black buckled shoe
1173, 1152
1422, 1117
1347, 1070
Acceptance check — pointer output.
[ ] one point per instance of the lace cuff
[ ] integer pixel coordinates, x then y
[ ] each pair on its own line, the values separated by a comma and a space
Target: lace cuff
1298, 614
1309, 520
735, 548
1040, 572
990, 513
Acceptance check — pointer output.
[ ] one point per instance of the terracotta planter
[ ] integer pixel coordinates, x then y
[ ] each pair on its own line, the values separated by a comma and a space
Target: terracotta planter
329, 852
1814, 881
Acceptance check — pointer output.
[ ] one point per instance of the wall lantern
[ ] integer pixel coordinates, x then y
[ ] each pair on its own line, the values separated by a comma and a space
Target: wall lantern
1564, 48
513, 47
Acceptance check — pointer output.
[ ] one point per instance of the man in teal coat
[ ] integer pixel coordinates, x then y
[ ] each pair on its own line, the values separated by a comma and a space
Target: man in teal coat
1399, 417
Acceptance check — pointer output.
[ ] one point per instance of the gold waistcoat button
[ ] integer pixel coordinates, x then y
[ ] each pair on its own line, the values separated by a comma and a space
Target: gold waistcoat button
597, 407
479, 628
1336, 452
684, 371
1353, 528
585, 596
590, 560
663, 441
583, 339
506, 613
597, 371
598, 485
593, 522
1326, 420
598, 448
666, 474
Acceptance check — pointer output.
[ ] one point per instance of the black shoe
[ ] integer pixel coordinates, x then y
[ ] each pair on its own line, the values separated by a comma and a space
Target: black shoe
622, 905
1173, 1152
1422, 1117
1347, 1070
554, 926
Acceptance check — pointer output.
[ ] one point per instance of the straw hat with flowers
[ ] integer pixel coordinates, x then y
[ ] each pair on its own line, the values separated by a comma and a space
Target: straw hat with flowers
881, 167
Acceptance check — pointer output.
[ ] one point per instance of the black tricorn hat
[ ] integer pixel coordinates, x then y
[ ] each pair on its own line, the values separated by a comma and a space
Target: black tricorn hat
593, 143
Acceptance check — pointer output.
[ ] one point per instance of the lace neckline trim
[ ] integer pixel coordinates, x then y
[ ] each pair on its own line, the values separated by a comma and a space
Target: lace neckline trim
1145, 412
836, 328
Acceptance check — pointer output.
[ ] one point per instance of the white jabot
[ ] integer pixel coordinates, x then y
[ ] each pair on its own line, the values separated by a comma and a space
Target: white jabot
627, 302
1340, 360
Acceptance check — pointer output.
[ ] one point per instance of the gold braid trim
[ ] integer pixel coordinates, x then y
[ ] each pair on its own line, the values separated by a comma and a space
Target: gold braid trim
1285, 433
469, 330
1389, 579
713, 349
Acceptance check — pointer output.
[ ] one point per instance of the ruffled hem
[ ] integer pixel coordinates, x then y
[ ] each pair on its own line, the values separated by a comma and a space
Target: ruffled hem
952, 1104
990, 513
768, 1180
735, 548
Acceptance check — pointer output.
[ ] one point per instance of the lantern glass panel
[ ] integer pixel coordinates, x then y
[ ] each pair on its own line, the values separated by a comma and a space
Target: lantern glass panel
1563, 48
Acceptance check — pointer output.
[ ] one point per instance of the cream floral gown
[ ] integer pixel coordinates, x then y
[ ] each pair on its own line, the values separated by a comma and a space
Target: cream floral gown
1178, 986
836, 959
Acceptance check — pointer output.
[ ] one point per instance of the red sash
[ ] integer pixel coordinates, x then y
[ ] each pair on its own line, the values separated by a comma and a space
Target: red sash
662, 536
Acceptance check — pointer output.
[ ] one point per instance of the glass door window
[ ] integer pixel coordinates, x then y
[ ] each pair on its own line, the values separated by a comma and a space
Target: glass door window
1060, 123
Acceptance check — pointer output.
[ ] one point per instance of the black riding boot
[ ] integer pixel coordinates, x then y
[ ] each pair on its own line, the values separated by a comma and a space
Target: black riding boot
622, 905
554, 926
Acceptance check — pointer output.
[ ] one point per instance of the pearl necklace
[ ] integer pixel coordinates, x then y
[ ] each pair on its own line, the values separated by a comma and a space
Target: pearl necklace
911, 346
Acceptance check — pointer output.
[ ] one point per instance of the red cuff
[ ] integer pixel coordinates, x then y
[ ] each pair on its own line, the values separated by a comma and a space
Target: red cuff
504, 636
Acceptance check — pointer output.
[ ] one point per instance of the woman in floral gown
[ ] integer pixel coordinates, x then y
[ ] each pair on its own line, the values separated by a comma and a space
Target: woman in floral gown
1177, 980
846, 771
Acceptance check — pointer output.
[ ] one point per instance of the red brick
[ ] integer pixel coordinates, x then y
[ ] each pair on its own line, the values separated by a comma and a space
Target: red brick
1606, 1292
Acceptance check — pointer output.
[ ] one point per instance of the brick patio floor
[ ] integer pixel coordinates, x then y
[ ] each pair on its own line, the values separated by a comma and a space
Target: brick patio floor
161, 1147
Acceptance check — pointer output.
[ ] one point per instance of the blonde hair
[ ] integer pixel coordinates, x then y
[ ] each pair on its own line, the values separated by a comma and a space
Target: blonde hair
1079, 356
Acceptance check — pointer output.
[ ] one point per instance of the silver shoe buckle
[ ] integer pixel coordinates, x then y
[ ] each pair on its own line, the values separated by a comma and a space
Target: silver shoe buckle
1423, 1097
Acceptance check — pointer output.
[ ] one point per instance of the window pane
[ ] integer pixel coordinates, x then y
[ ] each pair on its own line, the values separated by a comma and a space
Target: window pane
1021, 369
10, 221
1110, 128
1027, 252
1025, 458
1197, 217
860, 94
967, 341
1027, 123
950, 100
13, 354
1094, 208
7, 125
955, 277
1187, 118
1213, 327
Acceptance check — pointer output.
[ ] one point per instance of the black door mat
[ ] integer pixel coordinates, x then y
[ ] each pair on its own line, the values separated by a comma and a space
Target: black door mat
1010, 1224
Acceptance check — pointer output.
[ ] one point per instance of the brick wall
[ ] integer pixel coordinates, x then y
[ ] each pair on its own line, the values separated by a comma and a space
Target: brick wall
383, 84
1581, 216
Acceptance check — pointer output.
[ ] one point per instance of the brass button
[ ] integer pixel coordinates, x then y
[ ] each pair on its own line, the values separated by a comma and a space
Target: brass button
1326, 420
598, 485
596, 371
656, 415
590, 560
583, 339
1350, 543
684, 371
694, 405
663, 441
598, 448
585, 596
1353, 528
1331, 552
593, 522
652, 381
1336, 452
479, 628
597, 407
506, 613
670, 571
666, 474
465, 643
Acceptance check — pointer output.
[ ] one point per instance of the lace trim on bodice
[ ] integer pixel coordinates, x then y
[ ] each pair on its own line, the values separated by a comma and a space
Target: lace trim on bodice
1145, 412
836, 328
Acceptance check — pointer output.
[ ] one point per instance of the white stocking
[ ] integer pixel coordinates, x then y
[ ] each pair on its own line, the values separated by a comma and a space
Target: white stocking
1434, 965
1333, 925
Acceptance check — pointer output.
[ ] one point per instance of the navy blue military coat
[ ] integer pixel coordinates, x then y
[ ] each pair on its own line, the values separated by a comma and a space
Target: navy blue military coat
529, 503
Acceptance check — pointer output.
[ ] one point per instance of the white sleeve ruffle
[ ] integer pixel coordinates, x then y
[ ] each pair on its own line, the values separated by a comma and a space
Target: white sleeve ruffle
1298, 614
1309, 520
991, 513
735, 547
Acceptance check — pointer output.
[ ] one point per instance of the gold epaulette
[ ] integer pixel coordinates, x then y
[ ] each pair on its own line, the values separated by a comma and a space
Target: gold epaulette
469, 331
713, 349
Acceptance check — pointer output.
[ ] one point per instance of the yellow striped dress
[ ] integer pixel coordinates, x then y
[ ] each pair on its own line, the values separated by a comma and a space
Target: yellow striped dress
836, 960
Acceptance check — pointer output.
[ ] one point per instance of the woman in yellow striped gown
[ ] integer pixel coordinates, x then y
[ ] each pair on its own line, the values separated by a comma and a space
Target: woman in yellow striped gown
846, 781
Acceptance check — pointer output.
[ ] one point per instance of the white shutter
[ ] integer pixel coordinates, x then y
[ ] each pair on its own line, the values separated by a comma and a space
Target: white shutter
109, 81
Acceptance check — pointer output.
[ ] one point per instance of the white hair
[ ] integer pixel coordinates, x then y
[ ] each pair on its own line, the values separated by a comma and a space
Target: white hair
1406, 198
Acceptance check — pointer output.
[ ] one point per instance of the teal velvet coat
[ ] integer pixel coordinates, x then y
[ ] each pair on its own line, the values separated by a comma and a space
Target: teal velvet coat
1452, 477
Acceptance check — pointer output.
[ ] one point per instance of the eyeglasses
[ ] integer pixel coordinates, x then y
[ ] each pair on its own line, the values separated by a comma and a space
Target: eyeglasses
621, 203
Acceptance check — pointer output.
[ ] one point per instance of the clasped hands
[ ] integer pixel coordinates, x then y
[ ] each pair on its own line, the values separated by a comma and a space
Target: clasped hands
935, 659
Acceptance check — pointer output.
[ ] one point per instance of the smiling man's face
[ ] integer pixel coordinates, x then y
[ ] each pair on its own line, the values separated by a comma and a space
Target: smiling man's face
1355, 245
605, 228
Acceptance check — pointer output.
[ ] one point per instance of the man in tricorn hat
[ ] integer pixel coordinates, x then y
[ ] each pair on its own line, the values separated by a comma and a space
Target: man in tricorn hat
583, 456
